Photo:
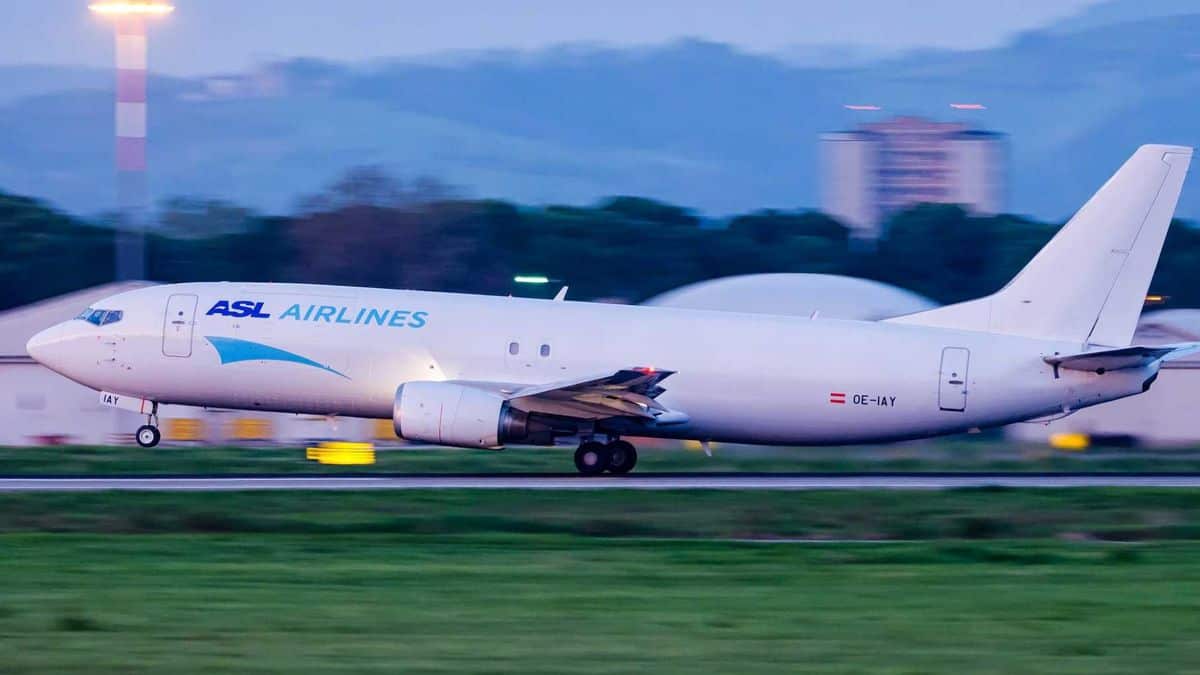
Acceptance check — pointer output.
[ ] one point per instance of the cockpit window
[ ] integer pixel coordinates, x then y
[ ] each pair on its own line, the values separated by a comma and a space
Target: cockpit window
101, 317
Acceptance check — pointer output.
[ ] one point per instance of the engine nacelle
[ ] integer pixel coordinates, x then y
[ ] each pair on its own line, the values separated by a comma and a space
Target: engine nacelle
452, 414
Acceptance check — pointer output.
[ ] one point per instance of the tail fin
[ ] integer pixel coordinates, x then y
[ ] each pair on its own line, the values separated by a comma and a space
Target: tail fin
1089, 283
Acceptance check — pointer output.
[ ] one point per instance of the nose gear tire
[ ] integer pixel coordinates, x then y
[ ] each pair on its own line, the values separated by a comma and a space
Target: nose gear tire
148, 436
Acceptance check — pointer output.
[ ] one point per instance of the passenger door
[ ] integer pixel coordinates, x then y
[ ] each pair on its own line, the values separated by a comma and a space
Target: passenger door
952, 388
179, 323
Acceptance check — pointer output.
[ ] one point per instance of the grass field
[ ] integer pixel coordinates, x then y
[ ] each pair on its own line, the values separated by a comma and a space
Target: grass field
555, 604
964, 581
961, 454
1077, 514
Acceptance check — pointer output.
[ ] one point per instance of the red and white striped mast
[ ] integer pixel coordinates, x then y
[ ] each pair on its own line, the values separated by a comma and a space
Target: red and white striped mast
130, 20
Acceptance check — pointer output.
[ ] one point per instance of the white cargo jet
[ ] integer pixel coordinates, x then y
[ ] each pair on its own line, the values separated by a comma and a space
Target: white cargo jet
482, 371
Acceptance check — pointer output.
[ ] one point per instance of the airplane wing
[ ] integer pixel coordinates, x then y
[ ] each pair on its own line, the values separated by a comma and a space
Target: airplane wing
630, 392
1122, 357
625, 393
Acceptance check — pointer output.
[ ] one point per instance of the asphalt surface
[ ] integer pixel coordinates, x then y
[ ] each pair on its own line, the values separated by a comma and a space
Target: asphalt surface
649, 481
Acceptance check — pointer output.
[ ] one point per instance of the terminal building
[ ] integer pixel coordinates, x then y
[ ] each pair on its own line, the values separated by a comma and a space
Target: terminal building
871, 173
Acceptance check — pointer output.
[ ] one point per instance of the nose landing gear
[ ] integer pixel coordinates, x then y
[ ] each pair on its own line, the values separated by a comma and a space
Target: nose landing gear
148, 434
594, 458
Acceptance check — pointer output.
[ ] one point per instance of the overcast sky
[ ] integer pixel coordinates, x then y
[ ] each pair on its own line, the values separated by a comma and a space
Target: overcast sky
205, 36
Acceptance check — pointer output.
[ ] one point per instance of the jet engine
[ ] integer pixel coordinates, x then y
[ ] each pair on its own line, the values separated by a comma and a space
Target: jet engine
458, 415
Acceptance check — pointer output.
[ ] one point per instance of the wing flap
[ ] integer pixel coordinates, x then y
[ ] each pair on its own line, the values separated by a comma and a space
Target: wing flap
628, 392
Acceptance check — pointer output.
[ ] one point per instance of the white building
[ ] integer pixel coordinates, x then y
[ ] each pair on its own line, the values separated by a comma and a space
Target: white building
849, 185
870, 173
828, 295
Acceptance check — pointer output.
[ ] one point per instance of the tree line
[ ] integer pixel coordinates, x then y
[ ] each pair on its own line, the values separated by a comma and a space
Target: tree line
367, 232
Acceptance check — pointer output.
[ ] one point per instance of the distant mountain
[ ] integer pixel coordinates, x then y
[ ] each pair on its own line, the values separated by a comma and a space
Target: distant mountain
692, 122
1115, 12
833, 56
18, 82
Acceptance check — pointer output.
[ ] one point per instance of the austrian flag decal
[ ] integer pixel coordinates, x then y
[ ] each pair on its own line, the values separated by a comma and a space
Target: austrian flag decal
837, 397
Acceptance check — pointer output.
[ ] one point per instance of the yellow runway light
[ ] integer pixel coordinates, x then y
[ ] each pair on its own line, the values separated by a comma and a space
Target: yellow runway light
341, 453
1070, 442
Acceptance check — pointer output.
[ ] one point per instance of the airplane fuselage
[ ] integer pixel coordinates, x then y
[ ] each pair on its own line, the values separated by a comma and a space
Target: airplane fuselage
739, 377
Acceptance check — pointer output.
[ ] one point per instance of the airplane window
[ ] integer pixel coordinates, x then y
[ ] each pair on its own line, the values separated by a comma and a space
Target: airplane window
545, 350
100, 317
514, 348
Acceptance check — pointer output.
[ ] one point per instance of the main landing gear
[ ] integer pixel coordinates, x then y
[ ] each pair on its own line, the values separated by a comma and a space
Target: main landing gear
594, 458
148, 434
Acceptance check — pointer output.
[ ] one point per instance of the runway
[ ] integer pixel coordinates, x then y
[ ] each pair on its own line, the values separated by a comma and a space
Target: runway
650, 481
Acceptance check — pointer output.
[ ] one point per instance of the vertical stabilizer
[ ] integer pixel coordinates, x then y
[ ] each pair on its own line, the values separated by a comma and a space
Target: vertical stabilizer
1089, 283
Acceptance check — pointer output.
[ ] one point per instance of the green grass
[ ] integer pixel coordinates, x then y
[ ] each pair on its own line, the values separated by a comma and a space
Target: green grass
1076, 514
1093, 581
957, 454
557, 604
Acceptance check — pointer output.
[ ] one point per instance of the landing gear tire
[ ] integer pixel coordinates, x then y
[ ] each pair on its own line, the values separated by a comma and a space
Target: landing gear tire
148, 436
592, 458
623, 457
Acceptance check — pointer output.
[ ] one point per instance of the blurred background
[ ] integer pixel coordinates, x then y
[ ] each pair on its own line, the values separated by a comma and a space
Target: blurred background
859, 159
460, 147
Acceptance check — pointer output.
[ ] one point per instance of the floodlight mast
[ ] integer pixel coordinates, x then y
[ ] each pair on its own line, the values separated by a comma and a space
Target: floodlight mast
129, 19
130, 8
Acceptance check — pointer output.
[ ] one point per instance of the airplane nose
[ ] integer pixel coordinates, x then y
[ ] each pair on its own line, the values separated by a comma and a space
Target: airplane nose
41, 345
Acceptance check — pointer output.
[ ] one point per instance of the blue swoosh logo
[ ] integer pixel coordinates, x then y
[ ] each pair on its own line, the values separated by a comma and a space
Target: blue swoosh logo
233, 350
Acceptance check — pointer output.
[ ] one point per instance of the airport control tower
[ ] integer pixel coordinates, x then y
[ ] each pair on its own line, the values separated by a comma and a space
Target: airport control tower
130, 20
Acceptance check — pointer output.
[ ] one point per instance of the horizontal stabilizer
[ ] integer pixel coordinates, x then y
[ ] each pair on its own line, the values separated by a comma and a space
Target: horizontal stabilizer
1123, 358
